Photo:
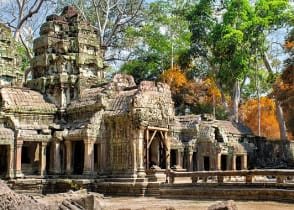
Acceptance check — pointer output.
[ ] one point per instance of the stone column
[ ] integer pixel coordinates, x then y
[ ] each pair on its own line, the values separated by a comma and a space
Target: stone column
42, 158
88, 157
56, 169
140, 154
10, 169
244, 162
167, 142
68, 148
190, 161
234, 162
18, 172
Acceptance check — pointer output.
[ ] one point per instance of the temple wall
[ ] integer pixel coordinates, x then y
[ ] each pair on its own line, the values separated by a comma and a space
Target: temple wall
271, 154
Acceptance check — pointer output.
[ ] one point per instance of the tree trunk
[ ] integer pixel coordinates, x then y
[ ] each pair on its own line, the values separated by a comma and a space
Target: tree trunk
283, 132
282, 125
236, 101
223, 98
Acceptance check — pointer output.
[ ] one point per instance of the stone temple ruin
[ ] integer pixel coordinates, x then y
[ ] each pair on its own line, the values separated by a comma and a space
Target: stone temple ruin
67, 121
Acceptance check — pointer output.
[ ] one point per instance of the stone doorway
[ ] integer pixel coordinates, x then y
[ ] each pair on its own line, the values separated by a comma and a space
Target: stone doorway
156, 154
173, 157
96, 157
4, 152
206, 161
194, 158
238, 162
78, 157
224, 162
30, 158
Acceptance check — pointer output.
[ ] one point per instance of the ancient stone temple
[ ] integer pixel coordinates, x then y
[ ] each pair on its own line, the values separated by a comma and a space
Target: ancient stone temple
67, 121
10, 73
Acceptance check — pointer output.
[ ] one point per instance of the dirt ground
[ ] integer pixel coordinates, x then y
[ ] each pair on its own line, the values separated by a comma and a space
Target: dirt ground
151, 203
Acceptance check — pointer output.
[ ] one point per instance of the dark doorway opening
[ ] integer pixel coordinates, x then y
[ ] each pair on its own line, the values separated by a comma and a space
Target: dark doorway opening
173, 157
223, 162
239, 162
194, 161
96, 149
206, 163
48, 156
78, 157
3, 160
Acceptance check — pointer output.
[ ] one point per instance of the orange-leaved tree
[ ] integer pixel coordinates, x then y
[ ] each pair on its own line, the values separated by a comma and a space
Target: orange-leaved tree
269, 123
175, 78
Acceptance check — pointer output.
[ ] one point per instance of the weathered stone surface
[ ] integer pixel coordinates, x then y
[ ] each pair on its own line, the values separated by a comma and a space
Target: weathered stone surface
224, 205
9, 59
13, 201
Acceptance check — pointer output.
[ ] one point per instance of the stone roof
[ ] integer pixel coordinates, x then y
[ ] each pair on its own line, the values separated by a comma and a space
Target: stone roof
233, 128
188, 121
88, 97
25, 100
6, 134
122, 102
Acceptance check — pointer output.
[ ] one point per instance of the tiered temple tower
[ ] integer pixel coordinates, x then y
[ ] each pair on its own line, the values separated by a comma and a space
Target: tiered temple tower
9, 59
67, 58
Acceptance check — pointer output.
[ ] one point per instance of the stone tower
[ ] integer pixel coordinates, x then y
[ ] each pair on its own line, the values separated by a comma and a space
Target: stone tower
67, 58
9, 59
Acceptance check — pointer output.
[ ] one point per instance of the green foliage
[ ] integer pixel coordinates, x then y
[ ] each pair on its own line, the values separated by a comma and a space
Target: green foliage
25, 61
231, 45
164, 35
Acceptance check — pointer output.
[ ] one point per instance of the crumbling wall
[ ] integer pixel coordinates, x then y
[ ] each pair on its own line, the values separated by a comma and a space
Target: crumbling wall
271, 154
9, 59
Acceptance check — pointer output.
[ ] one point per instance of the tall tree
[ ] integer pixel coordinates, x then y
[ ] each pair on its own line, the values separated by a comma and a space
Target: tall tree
163, 37
232, 44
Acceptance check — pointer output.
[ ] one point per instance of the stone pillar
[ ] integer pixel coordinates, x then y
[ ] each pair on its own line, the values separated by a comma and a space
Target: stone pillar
234, 162
68, 148
190, 161
10, 169
56, 159
18, 172
218, 161
42, 158
244, 162
140, 154
167, 142
88, 157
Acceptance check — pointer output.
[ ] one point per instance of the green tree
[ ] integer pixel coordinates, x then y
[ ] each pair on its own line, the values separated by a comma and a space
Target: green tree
232, 45
162, 40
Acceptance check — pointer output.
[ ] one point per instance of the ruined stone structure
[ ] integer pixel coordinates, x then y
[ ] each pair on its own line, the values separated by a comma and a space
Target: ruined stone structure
10, 73
67, 121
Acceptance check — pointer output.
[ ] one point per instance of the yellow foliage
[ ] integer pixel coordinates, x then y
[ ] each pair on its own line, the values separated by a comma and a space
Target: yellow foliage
269, 126
175, 78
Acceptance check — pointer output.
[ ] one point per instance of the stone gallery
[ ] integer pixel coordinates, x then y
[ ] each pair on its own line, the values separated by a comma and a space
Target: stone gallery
62, 118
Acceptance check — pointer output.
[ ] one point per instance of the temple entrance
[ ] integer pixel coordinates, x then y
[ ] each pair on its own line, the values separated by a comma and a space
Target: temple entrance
194, 161
238, 162
78, 157
224, 162
30, 158
49, 162
156, 154
206, 163
173, 157
4, 149
96, 153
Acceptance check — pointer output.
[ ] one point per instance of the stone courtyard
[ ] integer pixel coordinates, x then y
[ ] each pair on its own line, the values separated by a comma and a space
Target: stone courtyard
62, 119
